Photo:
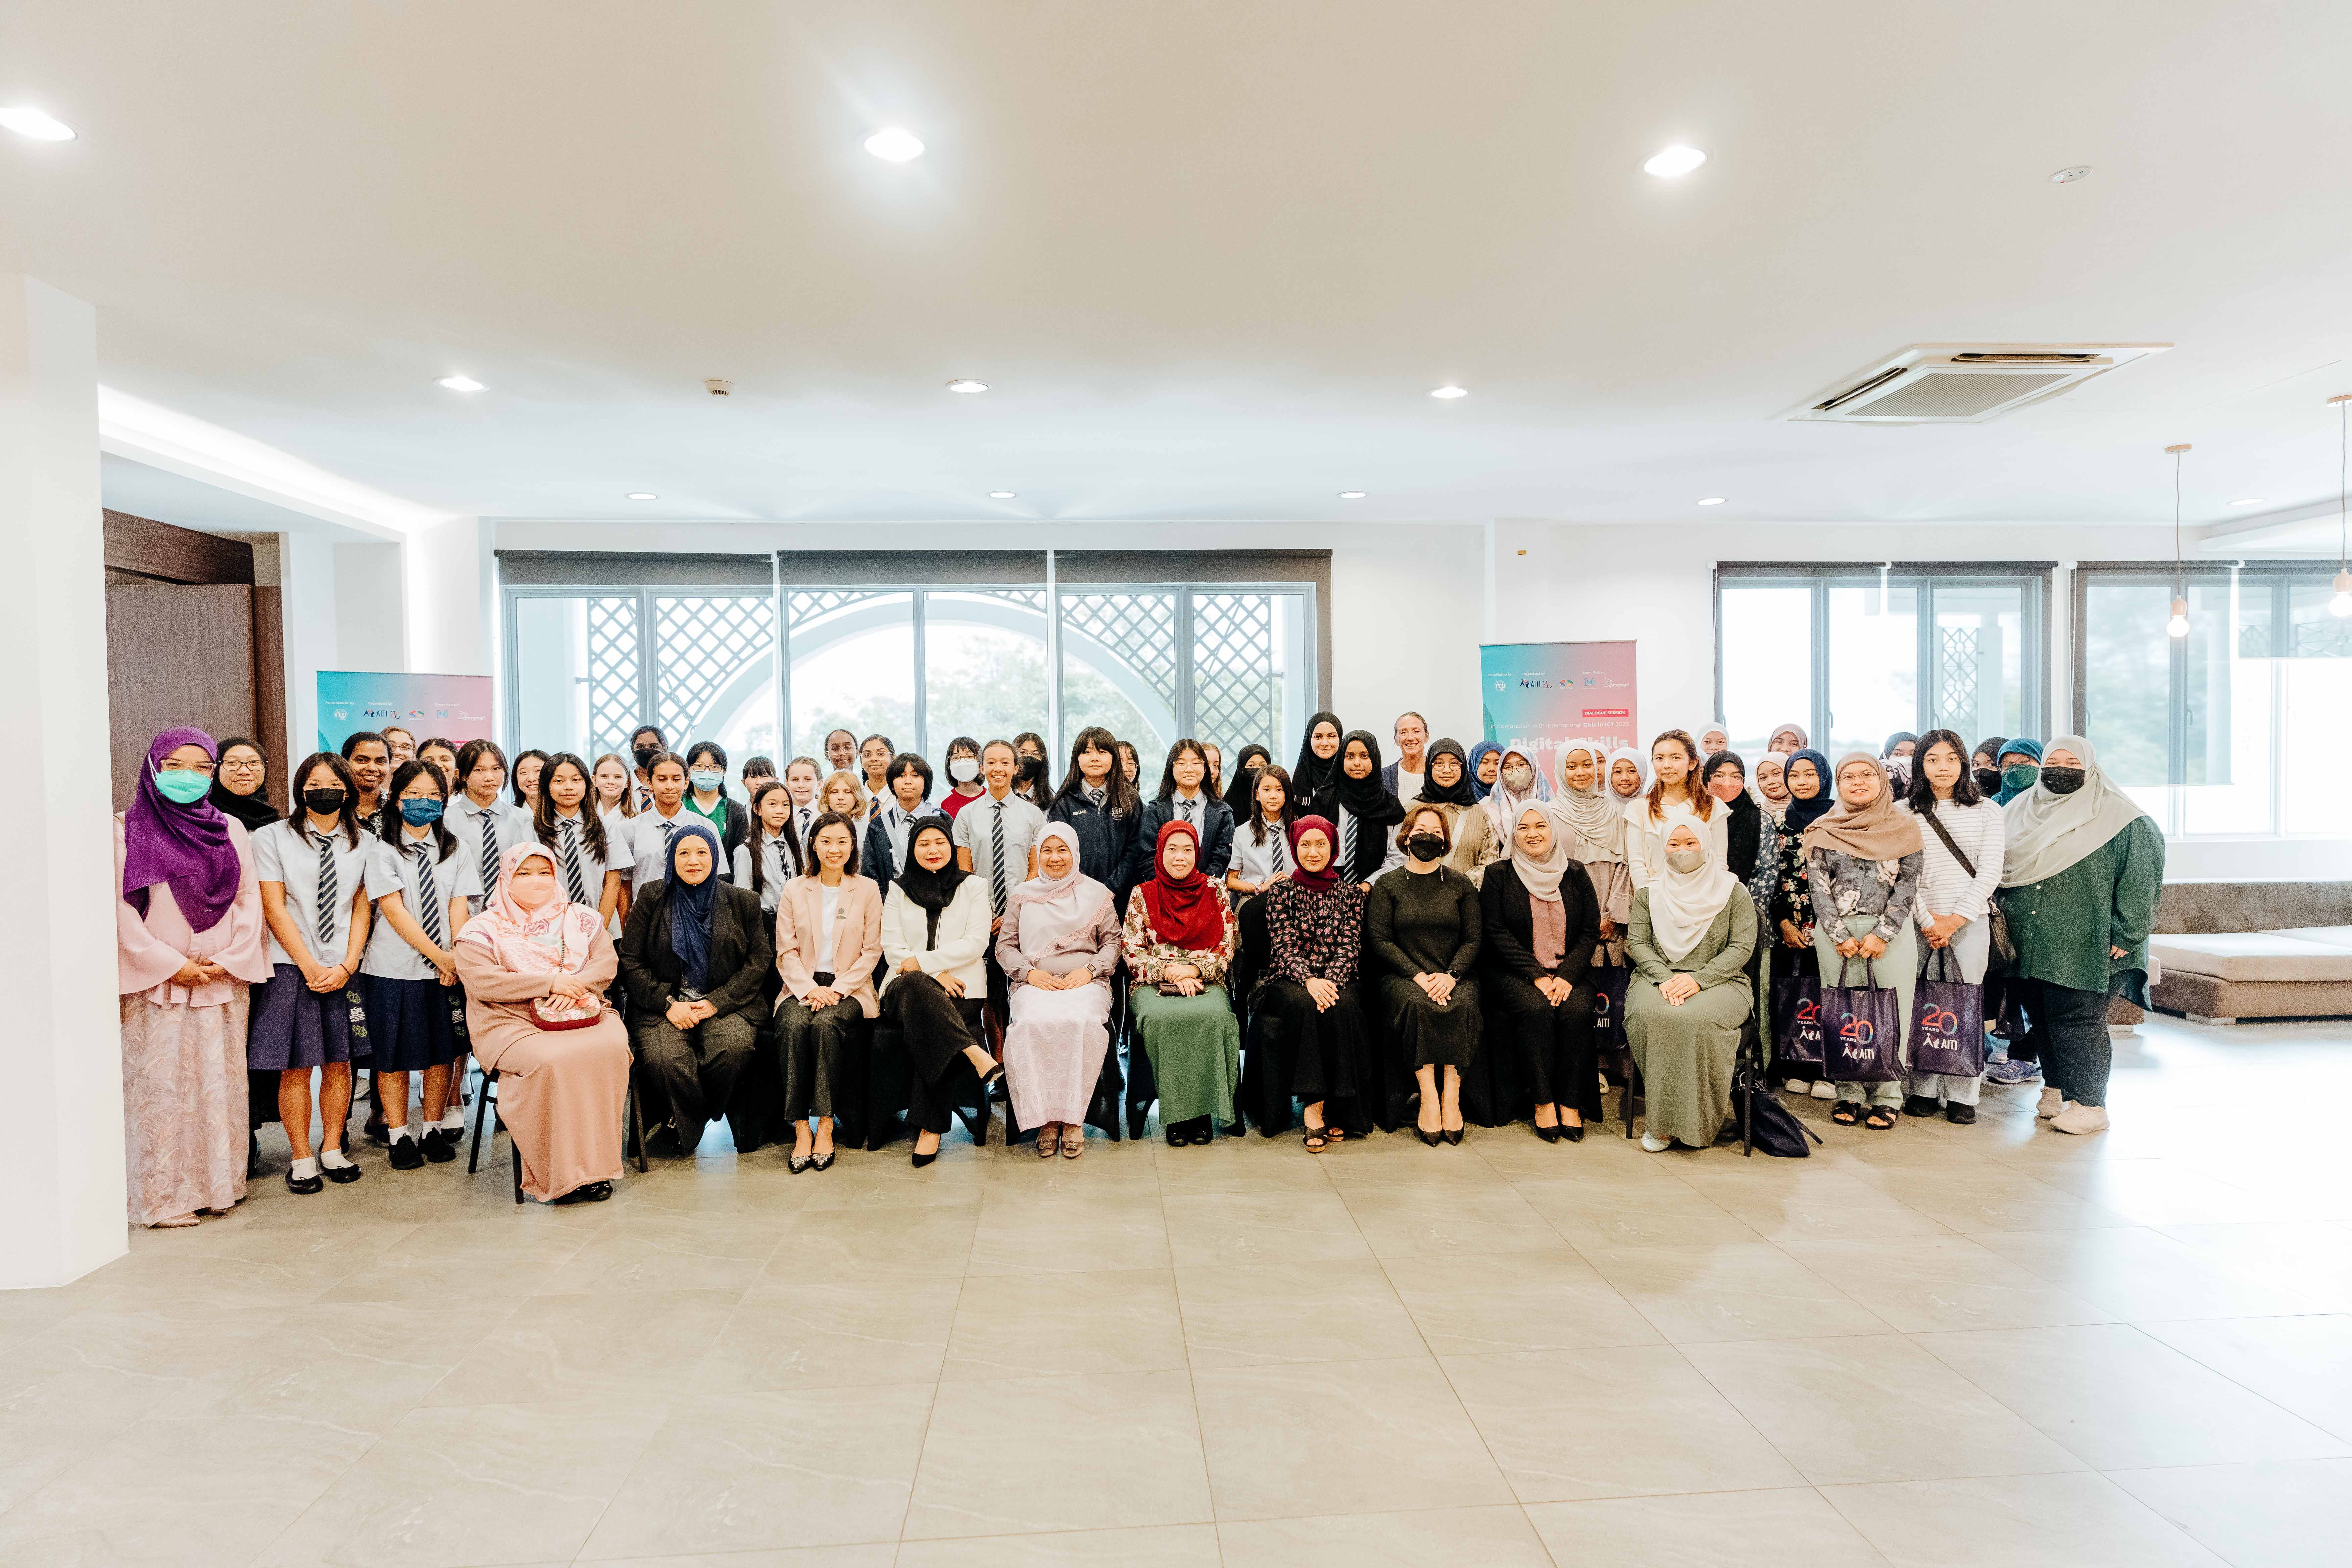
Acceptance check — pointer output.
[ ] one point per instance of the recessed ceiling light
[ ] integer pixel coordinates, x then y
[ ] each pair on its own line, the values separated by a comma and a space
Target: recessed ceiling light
2068, 176
965, 384
1351, 495
1674, 162
894, 145
27, 120
1002, 495
1450, 391
1712, 500
460, 384
642, 495
2250, 501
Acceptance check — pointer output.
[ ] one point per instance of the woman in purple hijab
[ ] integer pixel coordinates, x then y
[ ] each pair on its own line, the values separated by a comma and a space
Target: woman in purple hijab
188, 931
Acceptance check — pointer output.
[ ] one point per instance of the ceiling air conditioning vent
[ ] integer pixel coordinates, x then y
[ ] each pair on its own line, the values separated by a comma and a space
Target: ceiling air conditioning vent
1964, 384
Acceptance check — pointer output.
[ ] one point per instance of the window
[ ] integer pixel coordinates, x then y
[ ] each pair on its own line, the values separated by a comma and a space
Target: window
1856, 653
2237, 726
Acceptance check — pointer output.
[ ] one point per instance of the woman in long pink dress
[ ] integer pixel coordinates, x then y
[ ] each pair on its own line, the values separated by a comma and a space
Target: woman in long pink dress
188, 944
1058, 947
560, 1091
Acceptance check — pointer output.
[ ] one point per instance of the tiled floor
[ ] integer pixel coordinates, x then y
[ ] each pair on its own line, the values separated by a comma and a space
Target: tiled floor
1940, 1345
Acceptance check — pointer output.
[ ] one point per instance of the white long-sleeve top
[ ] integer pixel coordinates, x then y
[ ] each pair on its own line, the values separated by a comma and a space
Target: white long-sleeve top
1944, 888
963, 936
1646, 836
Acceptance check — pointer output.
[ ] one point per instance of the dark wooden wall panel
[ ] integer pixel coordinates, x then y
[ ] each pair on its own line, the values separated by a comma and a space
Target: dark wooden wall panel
176, 655
170, 555
270, 691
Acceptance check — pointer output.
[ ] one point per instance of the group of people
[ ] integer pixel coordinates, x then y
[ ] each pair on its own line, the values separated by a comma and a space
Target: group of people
1439, 936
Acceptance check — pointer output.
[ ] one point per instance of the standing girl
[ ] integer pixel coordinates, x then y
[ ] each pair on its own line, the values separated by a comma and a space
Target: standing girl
587, 860
963, 776
527, 768
1675, 795
1262, 850
771, 856
419, 880
617, 793
1959, 870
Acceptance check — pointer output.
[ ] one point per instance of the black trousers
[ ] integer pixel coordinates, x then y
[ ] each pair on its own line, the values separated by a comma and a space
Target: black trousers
2070, 1037
697, 1067
823, 1058
1554, 1042
936, 1028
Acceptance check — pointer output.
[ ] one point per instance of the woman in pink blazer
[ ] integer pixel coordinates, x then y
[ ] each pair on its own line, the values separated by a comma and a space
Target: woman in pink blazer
828, 940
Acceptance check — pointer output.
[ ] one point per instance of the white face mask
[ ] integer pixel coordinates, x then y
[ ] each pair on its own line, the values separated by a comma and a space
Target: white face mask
963, 770
1686, 859
1518, 778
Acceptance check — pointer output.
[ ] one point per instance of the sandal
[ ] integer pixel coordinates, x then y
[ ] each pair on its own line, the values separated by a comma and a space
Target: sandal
1880, 1119
1074, 1147
1316, 1139
1847, 1112
1048, 1147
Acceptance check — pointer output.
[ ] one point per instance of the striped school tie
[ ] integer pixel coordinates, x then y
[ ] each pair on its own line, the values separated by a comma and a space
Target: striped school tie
428, 896
1347, 841
326, 911
489, 855
1281, 854
573, 881
996, 893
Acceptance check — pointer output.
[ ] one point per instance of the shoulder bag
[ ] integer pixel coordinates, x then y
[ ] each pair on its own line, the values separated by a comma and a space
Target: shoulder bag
2003, 950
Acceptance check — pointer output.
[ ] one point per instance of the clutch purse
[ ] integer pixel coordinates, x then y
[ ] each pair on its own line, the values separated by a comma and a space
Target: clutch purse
549, 1014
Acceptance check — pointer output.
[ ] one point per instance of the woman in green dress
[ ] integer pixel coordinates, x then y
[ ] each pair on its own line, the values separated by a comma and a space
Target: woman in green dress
1692, 930
1178, 941
2079, 880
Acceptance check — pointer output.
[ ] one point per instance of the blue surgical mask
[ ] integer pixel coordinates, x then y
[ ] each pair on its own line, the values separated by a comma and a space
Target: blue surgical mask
420, 811
183, 786
708, 781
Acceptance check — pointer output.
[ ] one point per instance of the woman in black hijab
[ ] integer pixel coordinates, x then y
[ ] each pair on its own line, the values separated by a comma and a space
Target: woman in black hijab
934, 931
1315, 782
1242, 795
1367, 810
1744, 833
239, 783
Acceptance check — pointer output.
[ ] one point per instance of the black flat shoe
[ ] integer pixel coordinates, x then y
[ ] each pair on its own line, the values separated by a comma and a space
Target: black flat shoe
796, 1163
1919, 1105
821, 1162
303, 1185
1960, 1115
593, 1193
407, 1155
1548, 1134
1572, 1134
377, 1132
440, 1146
342, 1176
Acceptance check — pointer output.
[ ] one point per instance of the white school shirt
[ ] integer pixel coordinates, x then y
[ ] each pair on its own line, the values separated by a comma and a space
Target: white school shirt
779, 866
1256, 862
388, 955
592, 866
975, 831
648, 852
288, 854
508, 825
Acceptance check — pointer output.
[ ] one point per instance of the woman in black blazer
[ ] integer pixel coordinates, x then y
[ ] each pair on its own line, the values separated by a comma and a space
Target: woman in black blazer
1184, 796
1102, 809
1541, 921
694, 956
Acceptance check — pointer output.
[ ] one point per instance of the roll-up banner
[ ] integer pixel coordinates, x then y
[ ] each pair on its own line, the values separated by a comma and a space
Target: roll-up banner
1538, 696
453, 707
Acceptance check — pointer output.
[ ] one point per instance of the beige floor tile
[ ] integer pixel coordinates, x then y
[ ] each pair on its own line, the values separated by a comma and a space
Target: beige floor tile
2123, 1400
746, 1472
492, 1483
1599, 1223
2300, 1365
1151, 1546
1923, 1283
1271, 1314
2282, 1514
360, 1367
1096, 1231
1031, 1454
884, 1180
1858, 1409
1024, 1325
1496, 1303
2310, 1259
1834, 1206
629, 1344
1611, 1423
1739, 1291
2143, 1276
753, 1187
2166, 1191
1289, 1226
2018, 1522
1991, 1199
874, 1248
1400, 1223
658, 1250
829, 1336
1340, 1438
1704, 1529
1432, 1538
877, 1555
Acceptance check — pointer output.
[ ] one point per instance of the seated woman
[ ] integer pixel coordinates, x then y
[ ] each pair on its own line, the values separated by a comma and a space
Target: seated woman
1692, 930
934, 933
695, 956
1484, 836
1058, 947
561, 1090
1309, 1012
828, 940
1426, 929
1541, 921
1178, 938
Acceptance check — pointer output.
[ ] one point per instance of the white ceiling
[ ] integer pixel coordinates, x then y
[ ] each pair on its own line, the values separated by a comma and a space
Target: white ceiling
1211, 255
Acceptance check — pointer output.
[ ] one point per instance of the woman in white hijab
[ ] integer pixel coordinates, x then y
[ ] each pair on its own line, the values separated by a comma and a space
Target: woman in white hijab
1692, 930
2079, 878
1058, 947
1484, 836
1595, 815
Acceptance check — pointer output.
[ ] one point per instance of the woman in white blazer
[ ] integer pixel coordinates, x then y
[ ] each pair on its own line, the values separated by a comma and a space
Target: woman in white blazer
934, 931
828, 938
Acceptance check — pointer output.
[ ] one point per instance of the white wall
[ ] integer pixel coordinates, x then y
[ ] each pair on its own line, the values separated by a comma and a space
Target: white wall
371, 607
306, 568
450, 609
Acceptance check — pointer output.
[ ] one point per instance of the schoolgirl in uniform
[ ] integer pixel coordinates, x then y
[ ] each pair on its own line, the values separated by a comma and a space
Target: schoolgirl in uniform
587, 860
528, 768
442, 753
418, 879
771, 856
308, 1015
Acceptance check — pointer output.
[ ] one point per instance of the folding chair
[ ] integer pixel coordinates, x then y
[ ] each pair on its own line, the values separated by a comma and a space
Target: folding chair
486, 1107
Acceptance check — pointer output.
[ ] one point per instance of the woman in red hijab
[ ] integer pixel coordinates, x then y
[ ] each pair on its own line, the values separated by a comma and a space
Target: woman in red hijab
1178, 941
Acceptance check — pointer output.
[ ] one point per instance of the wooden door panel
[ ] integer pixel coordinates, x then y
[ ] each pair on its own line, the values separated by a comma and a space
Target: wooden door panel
175, 655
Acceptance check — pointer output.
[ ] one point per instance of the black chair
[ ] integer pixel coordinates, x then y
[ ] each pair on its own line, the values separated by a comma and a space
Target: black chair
486, 1107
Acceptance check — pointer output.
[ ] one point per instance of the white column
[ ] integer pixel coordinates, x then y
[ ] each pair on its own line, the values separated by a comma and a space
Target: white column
61, 1161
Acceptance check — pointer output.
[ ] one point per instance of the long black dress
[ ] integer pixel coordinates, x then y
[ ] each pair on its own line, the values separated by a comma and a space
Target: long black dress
1555, 1047
1312, 1053
1427, 923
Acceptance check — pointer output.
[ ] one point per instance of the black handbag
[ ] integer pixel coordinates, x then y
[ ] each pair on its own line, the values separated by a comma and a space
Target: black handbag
2004, 952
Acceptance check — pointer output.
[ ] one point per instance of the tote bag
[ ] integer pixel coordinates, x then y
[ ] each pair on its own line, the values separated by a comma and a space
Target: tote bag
1947, 1021
1609, 1006
1861, 1029
1797, 1014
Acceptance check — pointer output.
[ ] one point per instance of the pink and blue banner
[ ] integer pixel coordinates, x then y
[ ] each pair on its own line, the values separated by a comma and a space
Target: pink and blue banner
1538, 696
455, 707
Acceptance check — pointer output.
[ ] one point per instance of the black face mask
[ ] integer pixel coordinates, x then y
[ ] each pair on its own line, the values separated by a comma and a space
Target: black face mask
1032, 769
325, 802
1988, 780
1425, 846
646, 755
2061, 781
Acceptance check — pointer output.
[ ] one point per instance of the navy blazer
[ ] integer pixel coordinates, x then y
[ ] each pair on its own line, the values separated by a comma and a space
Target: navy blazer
1106, 843
1216, 826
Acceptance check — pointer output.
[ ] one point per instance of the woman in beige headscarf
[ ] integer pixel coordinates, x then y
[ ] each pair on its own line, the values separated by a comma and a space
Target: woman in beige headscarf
1862, 861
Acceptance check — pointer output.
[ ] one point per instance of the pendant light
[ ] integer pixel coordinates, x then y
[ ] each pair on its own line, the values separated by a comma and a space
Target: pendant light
2341, 604
2178, 625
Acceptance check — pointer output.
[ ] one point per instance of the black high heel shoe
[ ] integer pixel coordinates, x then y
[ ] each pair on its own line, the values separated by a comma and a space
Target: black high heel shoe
822, 1163
923, 1160
1426, 1136
1548, 1134
1573, 1134
1453, 1137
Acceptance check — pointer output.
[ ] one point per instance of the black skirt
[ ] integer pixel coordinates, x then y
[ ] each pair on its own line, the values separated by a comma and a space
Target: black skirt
1427, 1035
409, 1022
1300, 1051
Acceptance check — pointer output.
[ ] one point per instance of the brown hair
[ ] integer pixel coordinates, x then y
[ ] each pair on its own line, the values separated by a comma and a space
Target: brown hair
1702, 803
1419, 810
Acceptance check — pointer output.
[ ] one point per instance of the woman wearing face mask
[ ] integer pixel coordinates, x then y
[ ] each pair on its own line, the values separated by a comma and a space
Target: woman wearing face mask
1029, 780
1363, 812
963, 776
1862, 860
2016, 1047
696, 957
646, 743
1424, 925
828, 940
1314, 777
1484, 836
189, 944
1485, 767
1307, 1014
1102, 809
1693, 931
706, 798
2080, 877
934, 934
1179, 939
1959, 868
1984, 765
1540, 923
421, 882
1596, 825
1786, 739
1896, 758
1789, 903
1675, 795
2021, 768
1058, 949
532, 955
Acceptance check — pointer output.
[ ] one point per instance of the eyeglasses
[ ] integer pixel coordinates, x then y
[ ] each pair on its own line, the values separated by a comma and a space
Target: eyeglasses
239, 767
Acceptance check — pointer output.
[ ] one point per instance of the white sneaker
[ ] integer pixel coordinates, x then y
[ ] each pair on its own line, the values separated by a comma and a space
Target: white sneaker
1655, 1144
1824, 1089
2079, 1118
2052, 1102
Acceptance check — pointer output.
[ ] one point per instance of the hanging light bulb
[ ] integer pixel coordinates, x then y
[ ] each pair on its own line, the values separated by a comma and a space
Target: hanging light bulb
2177, 627
2341, 604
